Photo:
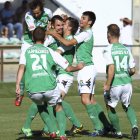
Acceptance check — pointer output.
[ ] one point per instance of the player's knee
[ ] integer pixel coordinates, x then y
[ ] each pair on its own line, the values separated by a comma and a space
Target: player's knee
58, 107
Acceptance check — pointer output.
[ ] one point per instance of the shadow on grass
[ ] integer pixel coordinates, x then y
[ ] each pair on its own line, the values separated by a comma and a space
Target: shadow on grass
36, 136
127, 136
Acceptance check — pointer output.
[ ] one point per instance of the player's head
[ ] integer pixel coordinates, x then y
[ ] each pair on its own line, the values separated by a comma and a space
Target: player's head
113, 32
88, 19
39, 35
125, 23
7, 5
57, 23
37, 7
71, 25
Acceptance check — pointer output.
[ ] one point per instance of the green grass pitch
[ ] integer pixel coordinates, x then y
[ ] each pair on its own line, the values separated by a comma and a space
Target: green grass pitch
13, 118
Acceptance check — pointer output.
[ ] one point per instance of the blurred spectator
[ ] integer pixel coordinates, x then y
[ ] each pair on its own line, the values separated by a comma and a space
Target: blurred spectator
5, 30
8, 18
21, 11
126, 33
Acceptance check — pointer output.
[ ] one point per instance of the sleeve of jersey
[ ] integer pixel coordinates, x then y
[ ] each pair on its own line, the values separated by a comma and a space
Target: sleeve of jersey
59, 60
107, 56
64, 48
48, 41
22, 60
131, 61
81, 37
50, 14
30, 22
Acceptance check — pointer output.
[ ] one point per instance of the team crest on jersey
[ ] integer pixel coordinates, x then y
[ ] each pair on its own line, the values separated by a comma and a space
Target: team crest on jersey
38, 23
81, 83
58, 81
46, 19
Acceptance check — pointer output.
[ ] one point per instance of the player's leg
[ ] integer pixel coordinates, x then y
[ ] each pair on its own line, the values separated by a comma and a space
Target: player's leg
125, 99
31, 115
85, 89
111, 98
64, 82
54, 99
107, 126
38, 98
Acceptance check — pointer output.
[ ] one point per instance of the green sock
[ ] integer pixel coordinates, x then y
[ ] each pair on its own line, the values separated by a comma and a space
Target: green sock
31, 115
92, 112
22, 84
45, 117
131, 116
70, 114
102, 116
114, 120
61, 120
53, 118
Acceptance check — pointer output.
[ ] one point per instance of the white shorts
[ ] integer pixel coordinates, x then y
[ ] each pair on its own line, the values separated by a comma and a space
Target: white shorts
64, 81
52, 97
122, 92
86, 79
24, 47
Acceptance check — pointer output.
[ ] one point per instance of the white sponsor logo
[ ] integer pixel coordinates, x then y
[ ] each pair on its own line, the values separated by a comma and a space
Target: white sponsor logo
92, 117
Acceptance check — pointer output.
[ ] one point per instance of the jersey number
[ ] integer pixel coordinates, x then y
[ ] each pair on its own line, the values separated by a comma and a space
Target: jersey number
35, 65
122, 64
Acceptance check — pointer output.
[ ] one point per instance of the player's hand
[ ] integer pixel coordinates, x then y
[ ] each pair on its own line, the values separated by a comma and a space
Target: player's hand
64, 17
18, 91
106, 87
121, 19
80, 65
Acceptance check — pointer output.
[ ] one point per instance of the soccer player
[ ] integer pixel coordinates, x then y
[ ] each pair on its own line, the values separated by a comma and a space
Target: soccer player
86, 76
65, 79
40, 82
36, 16
118, 85
69, 29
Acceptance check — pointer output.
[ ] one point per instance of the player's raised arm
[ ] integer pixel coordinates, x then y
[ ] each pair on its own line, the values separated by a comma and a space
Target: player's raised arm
61, 39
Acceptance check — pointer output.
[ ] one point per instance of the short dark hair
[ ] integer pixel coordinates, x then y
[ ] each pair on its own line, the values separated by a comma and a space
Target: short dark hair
91, 16
35, 3
125, 21
113, 30
74, 24
56, 17
7, 3
39, 34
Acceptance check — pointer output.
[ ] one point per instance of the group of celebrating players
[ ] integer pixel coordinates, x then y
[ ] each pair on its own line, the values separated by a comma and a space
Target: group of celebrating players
46, 71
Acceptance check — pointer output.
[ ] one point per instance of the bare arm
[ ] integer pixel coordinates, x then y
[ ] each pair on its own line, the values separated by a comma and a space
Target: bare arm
73, 69
132, 71
61, 39
126, 20
111, 71
19, 77
59, 52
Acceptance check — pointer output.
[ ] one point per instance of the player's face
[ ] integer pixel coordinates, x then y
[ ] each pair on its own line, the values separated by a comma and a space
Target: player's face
65, 27
83, 21
58, 25
37, 12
